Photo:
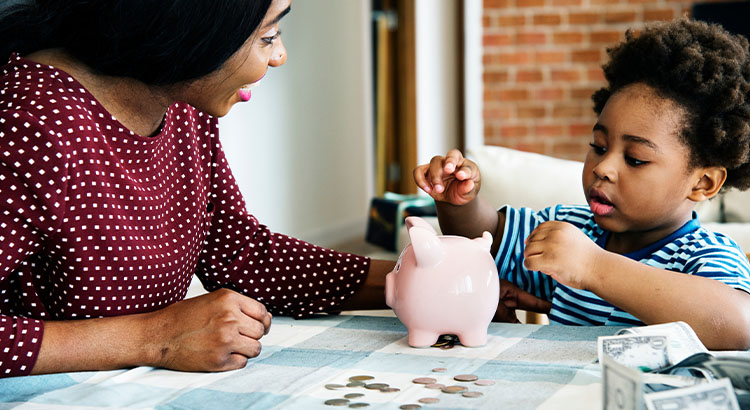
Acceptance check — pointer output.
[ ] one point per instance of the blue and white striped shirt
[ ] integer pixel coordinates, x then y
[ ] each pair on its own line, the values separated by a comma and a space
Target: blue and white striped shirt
691, 249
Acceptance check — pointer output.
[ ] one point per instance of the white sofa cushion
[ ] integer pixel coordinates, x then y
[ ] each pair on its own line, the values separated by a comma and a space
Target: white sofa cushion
736, 206
524, 179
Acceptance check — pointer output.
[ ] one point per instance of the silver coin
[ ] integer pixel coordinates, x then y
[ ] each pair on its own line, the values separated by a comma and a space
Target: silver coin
376, 386
390, 390
333, 386
472, 394
424, 380
337, 402
484, 382
453, 389
360, 378
353, 395
355, 384
436, 386
465, 377
429, 400
358, 405
440, 370
410, 406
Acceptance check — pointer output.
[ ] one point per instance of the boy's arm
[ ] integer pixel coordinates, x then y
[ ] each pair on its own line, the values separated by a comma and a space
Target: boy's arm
719, 314
471, 220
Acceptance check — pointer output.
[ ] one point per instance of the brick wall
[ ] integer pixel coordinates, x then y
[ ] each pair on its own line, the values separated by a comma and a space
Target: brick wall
542, 61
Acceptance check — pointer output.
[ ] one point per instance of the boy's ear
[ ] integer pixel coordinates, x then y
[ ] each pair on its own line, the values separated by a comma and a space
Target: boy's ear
710, 181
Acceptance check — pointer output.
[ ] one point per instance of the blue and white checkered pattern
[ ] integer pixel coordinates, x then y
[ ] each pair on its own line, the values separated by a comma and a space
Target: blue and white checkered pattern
533, 366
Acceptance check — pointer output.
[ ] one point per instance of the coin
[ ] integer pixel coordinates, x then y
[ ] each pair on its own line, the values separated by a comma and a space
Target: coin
484, 382
429, 400
333, 386
453, 389
472, 394
360, 378
390, 390
355, 384
465, 377
424, 380
353, 395
446, 347
436, 386
337, 402
410, 406
376, 386
358, 405
439, 370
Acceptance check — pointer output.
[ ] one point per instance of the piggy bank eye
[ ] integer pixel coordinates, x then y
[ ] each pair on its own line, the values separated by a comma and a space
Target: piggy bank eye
398, 266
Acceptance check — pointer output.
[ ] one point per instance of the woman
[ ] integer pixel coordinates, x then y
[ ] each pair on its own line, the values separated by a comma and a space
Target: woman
115, 191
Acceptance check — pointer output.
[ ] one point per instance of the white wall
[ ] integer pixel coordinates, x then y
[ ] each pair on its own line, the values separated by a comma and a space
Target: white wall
473, 89
301, 148
437, 51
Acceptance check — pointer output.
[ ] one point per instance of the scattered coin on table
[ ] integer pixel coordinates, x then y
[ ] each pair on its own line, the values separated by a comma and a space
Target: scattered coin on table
472, 394
360, 378
429, 400
353, 395
358, 405
436, 386
465, 377
376, 386
453, 389
390, 390
439, 370
424, 380
355, 384
410, 406
337, 402
333, 386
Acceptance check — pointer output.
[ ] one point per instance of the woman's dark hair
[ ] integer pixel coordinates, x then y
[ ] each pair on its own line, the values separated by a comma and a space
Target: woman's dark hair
158, 42
706, 71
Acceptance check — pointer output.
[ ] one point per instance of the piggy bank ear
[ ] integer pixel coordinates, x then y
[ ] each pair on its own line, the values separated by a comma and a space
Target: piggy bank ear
412, 221
485, 241
427, 246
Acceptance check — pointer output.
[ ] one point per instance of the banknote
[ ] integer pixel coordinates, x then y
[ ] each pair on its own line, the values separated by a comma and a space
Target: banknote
713, 395
683, 342
646, 352
736, 369
622, 387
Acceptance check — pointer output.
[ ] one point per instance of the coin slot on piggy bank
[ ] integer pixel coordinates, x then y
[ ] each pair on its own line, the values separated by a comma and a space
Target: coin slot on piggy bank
443, 285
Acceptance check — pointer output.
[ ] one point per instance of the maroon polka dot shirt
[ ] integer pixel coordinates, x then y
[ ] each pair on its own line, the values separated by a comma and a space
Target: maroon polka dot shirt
98, 221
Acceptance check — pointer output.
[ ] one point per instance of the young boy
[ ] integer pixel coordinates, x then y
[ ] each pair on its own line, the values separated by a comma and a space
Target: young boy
673, 129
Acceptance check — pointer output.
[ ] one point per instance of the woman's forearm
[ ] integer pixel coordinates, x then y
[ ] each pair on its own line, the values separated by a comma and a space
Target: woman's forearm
95, 344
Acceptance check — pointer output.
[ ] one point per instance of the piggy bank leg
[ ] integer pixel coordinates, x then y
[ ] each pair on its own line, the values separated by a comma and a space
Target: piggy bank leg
473, 338
422, 338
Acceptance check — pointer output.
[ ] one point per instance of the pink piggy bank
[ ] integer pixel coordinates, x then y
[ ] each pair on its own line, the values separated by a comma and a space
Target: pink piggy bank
443, 285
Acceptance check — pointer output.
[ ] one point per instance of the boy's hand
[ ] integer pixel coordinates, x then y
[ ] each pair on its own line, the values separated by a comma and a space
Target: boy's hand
562, 251
453, 178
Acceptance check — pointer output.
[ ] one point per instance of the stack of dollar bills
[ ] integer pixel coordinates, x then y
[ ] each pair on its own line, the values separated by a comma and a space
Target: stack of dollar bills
667, 367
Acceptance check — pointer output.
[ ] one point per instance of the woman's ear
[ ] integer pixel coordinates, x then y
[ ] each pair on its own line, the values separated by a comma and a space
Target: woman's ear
710, 181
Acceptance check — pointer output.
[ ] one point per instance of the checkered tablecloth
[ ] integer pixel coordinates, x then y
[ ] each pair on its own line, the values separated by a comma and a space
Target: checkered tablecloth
533, 367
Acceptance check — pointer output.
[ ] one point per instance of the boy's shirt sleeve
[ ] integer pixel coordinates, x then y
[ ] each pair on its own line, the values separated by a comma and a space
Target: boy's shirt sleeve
722, 261
509, 259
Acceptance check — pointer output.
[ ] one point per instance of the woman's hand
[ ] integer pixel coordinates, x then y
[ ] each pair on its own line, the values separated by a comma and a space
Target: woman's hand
453, 178
512, 298
213, 332
562, 251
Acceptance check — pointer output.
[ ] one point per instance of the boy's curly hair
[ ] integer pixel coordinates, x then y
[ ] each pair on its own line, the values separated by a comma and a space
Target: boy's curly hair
704, 69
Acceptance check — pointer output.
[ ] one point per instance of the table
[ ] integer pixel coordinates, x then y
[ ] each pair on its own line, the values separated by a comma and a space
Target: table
533, 367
